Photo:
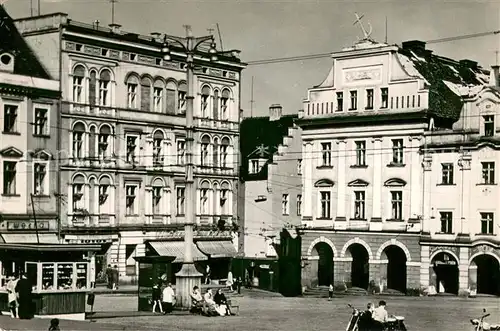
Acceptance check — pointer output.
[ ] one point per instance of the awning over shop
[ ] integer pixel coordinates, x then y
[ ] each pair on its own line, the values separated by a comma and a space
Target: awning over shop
175, 248
217, 249
29, 238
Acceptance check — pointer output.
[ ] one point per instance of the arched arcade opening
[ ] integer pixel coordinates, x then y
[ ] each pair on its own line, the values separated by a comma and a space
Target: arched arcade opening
325, 263
484, 272
443, 273
360, 267
396, 268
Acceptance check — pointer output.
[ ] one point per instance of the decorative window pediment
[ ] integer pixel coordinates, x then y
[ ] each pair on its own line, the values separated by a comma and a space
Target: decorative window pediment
11, 152
358, 183
324, 182
395, 182
41, 155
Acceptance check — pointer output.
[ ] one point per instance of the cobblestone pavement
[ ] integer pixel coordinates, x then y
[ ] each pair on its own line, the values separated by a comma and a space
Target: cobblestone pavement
421, 313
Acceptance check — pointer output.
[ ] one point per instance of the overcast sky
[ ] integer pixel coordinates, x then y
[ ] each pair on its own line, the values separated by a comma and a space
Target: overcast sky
282, 28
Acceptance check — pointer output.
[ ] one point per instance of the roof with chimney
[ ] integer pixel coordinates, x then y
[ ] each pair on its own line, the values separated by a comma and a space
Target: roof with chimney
259, 139
25, 61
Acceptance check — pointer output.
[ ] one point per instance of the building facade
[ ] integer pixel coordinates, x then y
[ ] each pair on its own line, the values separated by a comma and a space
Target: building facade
271, 180
363, 129
123, 137
29, 102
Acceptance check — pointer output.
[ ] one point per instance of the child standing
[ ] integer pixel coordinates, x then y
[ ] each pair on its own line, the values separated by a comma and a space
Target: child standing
330, 292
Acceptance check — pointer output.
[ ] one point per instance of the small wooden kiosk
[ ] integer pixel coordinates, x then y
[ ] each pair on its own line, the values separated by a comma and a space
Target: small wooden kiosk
151, 270
59, 274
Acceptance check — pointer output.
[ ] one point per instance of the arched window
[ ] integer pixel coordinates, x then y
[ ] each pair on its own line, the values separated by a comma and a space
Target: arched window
182, 94
78, 137
204, 202
158, 92
146, 94
78, 185
104, 139
132, 86
171, 97
105, 203
205, 97
224, 150
157, 148
104, 88
224, 198
205, 143
224, 102
92, 88
216, 152
78, 79
216, 105
157, 195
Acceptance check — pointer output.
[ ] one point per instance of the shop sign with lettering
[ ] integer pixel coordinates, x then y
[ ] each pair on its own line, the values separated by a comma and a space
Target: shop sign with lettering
27, 225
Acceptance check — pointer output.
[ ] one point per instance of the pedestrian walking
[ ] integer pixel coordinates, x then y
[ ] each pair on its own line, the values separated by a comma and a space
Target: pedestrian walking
168, 299
156, 298
23, 288
12, 296
330, 292
114, 277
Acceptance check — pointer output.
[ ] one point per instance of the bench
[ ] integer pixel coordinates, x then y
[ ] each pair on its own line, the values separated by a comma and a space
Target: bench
233, 305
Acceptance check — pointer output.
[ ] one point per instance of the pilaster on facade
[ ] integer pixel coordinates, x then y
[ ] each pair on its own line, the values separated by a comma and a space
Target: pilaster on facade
427, 189
307, 180
466, 216
415, 181
376, 218
340, 216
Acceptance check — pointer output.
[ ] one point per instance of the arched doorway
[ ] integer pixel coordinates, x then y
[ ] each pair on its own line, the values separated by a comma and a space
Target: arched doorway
325, 263
488, 274
396, 268
444, 270
359, 266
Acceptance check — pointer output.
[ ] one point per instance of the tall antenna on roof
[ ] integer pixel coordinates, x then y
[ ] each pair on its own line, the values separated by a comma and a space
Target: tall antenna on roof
220, 37
251, 100
113, 10
386, 29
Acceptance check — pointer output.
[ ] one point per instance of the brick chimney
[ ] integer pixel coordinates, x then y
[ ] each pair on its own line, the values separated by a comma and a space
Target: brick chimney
468, 64
495, 76
275, 112
414, 45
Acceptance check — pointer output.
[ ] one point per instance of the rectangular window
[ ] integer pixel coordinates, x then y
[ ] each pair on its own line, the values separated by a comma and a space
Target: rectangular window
180, 196
40, 179
354, 100
359, 205
181, 152
360, 153
254, 166
325, 204
132, 95
486, 223
369, 99
447, 173
10, 119
131, 199
299, 204
384, 93
131, 149
285, 204
397, 205
446, 221
40, 123
340, 101
397, 151
489, 125
488, 170
158, 99
9, 177
299, 167
326, 152
157, 195
182, 102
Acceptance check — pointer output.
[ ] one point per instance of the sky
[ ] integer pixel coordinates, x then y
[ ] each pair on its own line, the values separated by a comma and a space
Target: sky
283, 28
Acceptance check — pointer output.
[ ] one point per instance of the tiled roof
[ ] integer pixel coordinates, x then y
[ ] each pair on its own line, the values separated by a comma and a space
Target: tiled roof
260, 138
25, 61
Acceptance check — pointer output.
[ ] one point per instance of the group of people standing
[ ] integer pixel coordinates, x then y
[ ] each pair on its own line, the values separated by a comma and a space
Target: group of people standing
164, 299
112, 276
19, 293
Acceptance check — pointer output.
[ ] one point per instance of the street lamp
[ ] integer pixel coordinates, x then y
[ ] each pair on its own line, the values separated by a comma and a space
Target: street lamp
188, 276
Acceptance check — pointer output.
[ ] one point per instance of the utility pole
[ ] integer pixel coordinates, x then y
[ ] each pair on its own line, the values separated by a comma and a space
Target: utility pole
251, 100
188, 276
34, 218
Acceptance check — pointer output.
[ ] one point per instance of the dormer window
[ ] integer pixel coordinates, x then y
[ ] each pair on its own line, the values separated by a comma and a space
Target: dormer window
254, 166
489, 125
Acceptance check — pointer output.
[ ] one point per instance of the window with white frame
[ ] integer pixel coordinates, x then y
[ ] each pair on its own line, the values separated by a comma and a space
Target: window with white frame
360, 153
447, 173
489, 125
41, 121
487, 223
354, 100
326, 202
299, 204
205, 97
340, 101
224, 195
369, 99
359, 205
9, 177
132, 95
204, 210
10, 118
157, 192
103, 142
131, 201
397, 151
180, 198
181, 151
78, 136
40, 178
488, 171
446, 218
397, 205
326, 153
158, 99
384, 93
104, 86
224, 102
224, 148
78, 79
131, 148
157, 149
205, 145
77, 196
299, 167
285, 204
181, 97
254, 166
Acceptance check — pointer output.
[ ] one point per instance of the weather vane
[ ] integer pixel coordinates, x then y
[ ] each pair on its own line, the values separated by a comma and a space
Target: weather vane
358, 21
